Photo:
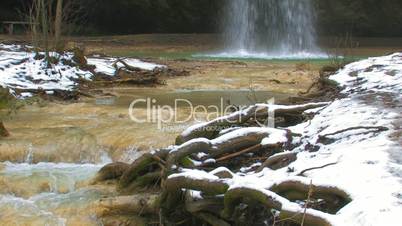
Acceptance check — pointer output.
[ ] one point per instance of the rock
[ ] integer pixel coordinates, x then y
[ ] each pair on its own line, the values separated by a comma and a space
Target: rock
3, 130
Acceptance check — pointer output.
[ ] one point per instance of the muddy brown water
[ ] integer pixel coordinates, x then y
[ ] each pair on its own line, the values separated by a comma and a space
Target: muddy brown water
56, 149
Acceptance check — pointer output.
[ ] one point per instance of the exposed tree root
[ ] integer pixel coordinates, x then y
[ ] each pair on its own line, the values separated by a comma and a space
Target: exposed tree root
211, 129
250, 196
211, 219
207, 186
139, 166
288, 211
111, 171
298, 190
195, 197
186, 149
135, 204
259, 113
239, 140
279, 161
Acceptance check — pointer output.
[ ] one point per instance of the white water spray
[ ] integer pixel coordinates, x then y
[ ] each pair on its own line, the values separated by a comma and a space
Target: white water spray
270, 29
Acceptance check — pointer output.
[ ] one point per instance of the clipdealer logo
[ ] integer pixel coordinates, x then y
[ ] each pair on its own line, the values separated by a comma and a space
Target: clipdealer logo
163, 115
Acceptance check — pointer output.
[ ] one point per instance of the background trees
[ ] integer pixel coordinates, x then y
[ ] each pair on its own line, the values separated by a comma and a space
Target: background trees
359, 17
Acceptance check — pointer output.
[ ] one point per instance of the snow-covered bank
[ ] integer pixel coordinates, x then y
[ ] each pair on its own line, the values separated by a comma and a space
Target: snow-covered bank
350, 148
19, 69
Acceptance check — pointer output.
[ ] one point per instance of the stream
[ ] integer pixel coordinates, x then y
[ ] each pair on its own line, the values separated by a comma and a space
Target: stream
54, 151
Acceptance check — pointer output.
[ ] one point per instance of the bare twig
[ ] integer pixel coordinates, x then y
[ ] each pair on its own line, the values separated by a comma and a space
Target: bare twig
314, 168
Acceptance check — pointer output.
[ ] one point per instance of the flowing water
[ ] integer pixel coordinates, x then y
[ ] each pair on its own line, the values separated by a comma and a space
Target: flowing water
270, 29
54, 151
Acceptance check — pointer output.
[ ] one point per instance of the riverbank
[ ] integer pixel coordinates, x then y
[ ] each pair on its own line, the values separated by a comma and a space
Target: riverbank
334, 163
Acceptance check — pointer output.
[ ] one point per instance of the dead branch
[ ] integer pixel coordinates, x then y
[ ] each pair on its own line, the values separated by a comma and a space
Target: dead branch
315, 168
376, 128
234, 155
324, 139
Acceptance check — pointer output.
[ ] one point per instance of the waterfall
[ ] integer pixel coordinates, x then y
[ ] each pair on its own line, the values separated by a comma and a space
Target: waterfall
270, 29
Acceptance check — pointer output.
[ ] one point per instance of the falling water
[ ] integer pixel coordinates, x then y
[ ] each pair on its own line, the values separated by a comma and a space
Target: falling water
270, 29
